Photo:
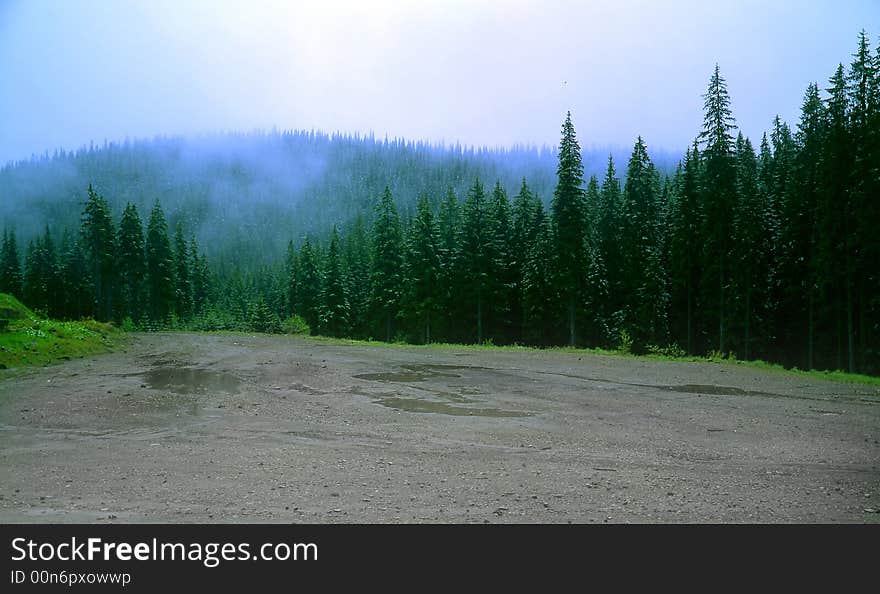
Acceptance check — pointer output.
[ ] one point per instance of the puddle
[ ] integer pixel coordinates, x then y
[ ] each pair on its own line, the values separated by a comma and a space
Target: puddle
424, 405
429, 406
191, 381
713, 390
415, 373
398, 377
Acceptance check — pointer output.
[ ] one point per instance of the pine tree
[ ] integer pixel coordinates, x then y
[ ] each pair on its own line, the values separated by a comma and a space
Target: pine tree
719, 196
291, 265
610, 243
33, 289
79, 299
52, 276
449, 229
798, 231
596, 294
99, 242
751, 250
525, 208
423, 268
474, 260
569, 226
200, 277
182, 281
334, 297
130, 263
500, 279
387, 262
10, 265
357, 263
644, 282
538, 292
262, 318
835, 217
684, 250
308, 286
864, 100
160, 267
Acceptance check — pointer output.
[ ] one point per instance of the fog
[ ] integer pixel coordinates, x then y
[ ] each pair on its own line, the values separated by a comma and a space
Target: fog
470, 71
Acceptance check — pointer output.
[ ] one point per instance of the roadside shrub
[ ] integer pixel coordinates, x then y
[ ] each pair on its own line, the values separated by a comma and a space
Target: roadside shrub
263, 319
295, 324
718, 356
625, 344
128, 325
213, 319
673, 350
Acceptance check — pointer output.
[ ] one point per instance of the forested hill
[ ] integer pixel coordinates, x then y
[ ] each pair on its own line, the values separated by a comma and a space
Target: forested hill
247, 194
767, 249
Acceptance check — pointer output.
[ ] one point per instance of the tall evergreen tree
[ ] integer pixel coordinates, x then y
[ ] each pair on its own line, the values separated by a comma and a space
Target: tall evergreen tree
597, 290
423, 269
33, 289
160, 267
182, 280
79, 299
449, 230
525, 208
308, 286
569, 226
199, 276
797, 234
864, 101
130, 263
538, 292
475, 260
291, 265
836, 217
610, 242
10, 265
334, 296
500, 279
99, 242
684, 250
719, 196
751, 253
387, 262
358, 265
644, 281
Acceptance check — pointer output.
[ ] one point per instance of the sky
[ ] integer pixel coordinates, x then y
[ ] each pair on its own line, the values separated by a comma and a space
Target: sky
479, 72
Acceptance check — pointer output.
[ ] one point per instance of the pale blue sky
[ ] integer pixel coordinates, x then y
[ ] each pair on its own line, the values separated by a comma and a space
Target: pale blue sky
475, 71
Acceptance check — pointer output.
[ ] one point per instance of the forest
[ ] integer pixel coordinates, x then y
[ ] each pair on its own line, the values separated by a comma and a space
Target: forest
766, 250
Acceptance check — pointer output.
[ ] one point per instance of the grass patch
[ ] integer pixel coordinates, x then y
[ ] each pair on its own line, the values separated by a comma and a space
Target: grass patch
29, 341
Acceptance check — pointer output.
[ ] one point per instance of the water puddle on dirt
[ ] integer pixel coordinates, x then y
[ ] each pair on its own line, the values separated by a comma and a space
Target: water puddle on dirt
396, 377
713, 390
429, 406
415, 373
191, 381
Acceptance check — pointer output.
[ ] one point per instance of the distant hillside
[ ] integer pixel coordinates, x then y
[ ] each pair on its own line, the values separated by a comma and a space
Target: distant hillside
246, 195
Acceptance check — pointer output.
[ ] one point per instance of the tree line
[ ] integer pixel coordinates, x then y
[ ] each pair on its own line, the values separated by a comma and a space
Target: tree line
768, 253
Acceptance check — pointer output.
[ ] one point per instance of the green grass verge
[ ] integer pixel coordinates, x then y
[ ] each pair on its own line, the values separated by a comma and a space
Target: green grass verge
31, 341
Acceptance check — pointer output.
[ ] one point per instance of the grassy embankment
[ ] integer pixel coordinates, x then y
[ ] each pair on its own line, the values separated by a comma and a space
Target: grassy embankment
28, 340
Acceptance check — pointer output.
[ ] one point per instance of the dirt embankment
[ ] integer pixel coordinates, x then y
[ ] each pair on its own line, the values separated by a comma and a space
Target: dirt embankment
208, 428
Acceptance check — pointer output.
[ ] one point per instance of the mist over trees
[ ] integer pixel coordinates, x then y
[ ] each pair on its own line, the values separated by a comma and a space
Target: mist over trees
770, 253
244, 195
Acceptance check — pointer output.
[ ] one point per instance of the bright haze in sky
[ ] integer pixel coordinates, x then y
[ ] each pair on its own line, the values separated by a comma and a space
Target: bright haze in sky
474, 71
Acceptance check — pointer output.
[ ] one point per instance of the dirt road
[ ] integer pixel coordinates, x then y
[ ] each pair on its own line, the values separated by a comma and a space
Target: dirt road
234, 428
